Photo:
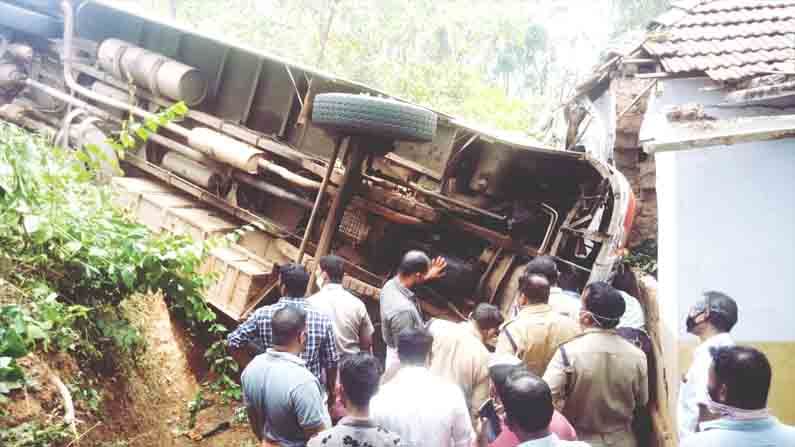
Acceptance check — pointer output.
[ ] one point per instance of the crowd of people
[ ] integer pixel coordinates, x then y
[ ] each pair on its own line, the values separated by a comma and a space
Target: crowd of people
560, 369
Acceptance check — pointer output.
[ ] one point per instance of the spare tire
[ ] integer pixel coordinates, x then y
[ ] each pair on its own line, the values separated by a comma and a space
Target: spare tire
29, 21
367, 115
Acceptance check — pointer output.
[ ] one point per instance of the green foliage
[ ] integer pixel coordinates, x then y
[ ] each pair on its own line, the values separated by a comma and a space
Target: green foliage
520, 58
222, 365
197, 404
42, 322
78, 257
18, 334
35, 434
84, 392
644, 257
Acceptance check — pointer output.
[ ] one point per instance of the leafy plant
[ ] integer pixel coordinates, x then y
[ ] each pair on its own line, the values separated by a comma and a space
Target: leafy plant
18, 333
223, 365
80, 257
84, 392
644, 257
35, 434
197, 404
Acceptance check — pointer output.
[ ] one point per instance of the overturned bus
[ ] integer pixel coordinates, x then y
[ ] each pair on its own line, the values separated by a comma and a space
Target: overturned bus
314, 163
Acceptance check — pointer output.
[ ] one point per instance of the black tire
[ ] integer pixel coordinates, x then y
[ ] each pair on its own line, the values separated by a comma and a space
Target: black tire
30, 22
367, 115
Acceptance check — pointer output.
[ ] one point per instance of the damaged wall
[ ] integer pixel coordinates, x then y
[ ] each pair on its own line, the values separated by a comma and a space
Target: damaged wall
637, 166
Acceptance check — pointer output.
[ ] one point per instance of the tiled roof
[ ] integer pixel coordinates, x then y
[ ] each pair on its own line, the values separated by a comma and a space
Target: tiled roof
729, 40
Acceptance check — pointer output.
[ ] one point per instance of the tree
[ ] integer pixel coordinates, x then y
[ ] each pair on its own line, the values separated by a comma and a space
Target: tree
442, 53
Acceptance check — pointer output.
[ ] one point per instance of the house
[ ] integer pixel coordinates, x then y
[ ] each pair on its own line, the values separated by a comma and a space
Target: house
716, 95
721, 125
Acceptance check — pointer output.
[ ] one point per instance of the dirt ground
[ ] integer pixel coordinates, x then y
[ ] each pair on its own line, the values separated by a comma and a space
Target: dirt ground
145, 406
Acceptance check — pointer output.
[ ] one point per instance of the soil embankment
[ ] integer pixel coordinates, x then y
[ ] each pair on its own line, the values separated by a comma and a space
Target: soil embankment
148, 404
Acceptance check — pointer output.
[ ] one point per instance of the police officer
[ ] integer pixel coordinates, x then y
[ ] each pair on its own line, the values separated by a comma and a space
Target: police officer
599, 380
538, 329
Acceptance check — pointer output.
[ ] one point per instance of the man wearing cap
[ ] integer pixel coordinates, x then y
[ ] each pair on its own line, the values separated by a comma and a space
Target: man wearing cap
710, 320
599, 380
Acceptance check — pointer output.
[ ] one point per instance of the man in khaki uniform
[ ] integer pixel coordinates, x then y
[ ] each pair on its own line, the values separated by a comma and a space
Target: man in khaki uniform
459, 353
599, 380
537, 330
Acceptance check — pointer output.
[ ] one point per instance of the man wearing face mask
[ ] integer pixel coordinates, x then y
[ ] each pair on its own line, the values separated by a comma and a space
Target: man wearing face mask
283, 399
399, 309
710, 320
256, 333
599, 380
738, 385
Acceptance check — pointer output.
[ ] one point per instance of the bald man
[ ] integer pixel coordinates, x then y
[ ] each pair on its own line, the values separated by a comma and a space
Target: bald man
538, 329
399, 307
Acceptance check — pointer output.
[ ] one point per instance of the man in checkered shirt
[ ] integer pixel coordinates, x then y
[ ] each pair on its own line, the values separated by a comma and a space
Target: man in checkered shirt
256, 334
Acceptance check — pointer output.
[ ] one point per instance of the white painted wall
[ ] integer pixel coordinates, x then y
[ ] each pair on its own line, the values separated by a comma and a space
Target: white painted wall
726, 221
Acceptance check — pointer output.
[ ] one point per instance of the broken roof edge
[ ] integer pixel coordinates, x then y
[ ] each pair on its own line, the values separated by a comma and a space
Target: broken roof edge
725, 132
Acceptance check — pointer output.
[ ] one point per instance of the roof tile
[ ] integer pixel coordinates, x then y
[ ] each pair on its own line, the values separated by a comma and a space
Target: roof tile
727, 39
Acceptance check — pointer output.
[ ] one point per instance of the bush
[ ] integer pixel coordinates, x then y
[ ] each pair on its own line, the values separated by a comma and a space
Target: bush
78, 257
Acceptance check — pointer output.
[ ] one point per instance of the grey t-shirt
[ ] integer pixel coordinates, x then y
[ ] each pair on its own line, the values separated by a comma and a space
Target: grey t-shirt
283, 398
398, 311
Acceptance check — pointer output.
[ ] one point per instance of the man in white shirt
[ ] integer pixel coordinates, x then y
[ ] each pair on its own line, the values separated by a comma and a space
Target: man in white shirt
627, 285
710, 320
420, 407
352, 326
528, 411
